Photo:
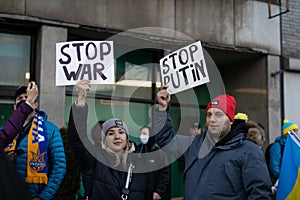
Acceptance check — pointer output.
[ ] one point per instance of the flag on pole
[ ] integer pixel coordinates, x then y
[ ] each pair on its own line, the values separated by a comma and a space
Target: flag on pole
289, 178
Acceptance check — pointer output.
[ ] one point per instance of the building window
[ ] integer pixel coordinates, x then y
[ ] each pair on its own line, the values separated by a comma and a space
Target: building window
16, 64
15, 59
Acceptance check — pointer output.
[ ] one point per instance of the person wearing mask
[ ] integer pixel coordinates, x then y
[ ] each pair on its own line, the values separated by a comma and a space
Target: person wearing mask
40, 159
114, 168
161, 177
219, 163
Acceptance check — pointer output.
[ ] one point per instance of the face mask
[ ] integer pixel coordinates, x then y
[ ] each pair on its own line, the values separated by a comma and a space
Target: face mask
144, 139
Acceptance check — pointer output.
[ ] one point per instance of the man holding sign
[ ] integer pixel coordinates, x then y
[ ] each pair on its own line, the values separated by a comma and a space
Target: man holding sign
184, 69
219, 163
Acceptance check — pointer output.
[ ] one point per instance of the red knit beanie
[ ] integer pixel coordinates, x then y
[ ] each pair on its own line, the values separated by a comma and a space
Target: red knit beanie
224, 102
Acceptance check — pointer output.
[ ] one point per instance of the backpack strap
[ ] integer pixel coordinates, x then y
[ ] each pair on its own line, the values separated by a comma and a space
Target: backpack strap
281, 152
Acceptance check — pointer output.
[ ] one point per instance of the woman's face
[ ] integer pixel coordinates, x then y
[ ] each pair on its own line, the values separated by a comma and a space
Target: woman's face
116, 139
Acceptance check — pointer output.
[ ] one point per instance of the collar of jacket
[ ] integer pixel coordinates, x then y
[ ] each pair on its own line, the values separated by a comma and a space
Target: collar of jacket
234, 138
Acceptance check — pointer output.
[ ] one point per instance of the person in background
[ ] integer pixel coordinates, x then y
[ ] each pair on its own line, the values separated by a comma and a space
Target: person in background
15, 122
9, 180
161, 178
114, 170
254, 130
256, 133
219, 163
276, 150
40, 160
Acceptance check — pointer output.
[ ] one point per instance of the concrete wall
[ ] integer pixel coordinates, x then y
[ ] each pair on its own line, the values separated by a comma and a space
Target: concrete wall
230, 22
274, 97
52, 98
254, 29
221, 23
247, 81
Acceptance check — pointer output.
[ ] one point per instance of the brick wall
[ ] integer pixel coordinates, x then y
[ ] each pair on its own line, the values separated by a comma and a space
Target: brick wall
291, 29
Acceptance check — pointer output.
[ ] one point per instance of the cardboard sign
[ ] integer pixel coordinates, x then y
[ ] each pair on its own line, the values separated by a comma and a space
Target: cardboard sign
91, 60
184, 68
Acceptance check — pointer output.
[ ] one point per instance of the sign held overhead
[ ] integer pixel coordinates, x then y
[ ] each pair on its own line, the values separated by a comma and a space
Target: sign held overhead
184, 68
92, 60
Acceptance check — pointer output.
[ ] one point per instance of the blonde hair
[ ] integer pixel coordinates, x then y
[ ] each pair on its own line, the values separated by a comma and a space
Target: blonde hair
118, 157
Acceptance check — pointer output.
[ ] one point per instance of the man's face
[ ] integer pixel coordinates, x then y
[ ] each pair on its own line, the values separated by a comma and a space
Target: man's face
19, 98
218, 123
22, 97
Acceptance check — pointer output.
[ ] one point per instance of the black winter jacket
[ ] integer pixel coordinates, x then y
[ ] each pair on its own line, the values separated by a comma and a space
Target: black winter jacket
161, 177
231, 169
100, 179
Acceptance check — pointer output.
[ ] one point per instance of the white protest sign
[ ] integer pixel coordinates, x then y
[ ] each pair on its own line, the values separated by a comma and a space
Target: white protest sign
184, 68
91, 60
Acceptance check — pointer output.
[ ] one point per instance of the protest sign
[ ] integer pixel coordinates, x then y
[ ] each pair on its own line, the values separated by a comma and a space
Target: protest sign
184, 68
91, 60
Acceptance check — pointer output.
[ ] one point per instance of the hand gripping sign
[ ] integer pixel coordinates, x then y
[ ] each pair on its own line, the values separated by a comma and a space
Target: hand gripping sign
184, 68
91, 60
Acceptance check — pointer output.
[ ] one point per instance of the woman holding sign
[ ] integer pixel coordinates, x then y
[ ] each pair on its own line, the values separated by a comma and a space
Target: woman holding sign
111, 173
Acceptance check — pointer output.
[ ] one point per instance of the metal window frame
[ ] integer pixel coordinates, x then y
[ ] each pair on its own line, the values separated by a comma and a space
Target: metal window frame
20, 28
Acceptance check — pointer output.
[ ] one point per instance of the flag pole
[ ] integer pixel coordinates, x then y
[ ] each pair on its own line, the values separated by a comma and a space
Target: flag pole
292, 132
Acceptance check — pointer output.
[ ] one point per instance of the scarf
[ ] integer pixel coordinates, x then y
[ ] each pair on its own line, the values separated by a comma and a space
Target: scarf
36, 151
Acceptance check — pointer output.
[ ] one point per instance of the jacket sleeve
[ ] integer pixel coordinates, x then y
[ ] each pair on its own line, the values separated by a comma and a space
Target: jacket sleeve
77, 136
275, 157
163, 180
255, 175
56, 162
166, 137
15, 123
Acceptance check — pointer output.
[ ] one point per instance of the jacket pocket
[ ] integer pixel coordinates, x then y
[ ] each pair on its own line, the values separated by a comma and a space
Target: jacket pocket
233, 176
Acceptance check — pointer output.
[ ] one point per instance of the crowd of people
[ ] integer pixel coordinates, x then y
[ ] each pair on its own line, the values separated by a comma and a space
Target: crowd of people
223, 159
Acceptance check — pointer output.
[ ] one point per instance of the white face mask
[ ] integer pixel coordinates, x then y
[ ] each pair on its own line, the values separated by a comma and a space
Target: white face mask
144, 139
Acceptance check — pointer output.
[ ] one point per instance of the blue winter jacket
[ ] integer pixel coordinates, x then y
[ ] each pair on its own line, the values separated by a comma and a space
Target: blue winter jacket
56, 161
231, 169
275, 155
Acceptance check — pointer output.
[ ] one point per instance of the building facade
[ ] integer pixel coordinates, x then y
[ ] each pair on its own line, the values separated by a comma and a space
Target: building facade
290, 25
242, 47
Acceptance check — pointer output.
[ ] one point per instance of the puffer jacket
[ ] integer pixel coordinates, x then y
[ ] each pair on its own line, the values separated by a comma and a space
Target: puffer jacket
276, 152
100, 179
231, 169
14, 123
56, 161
